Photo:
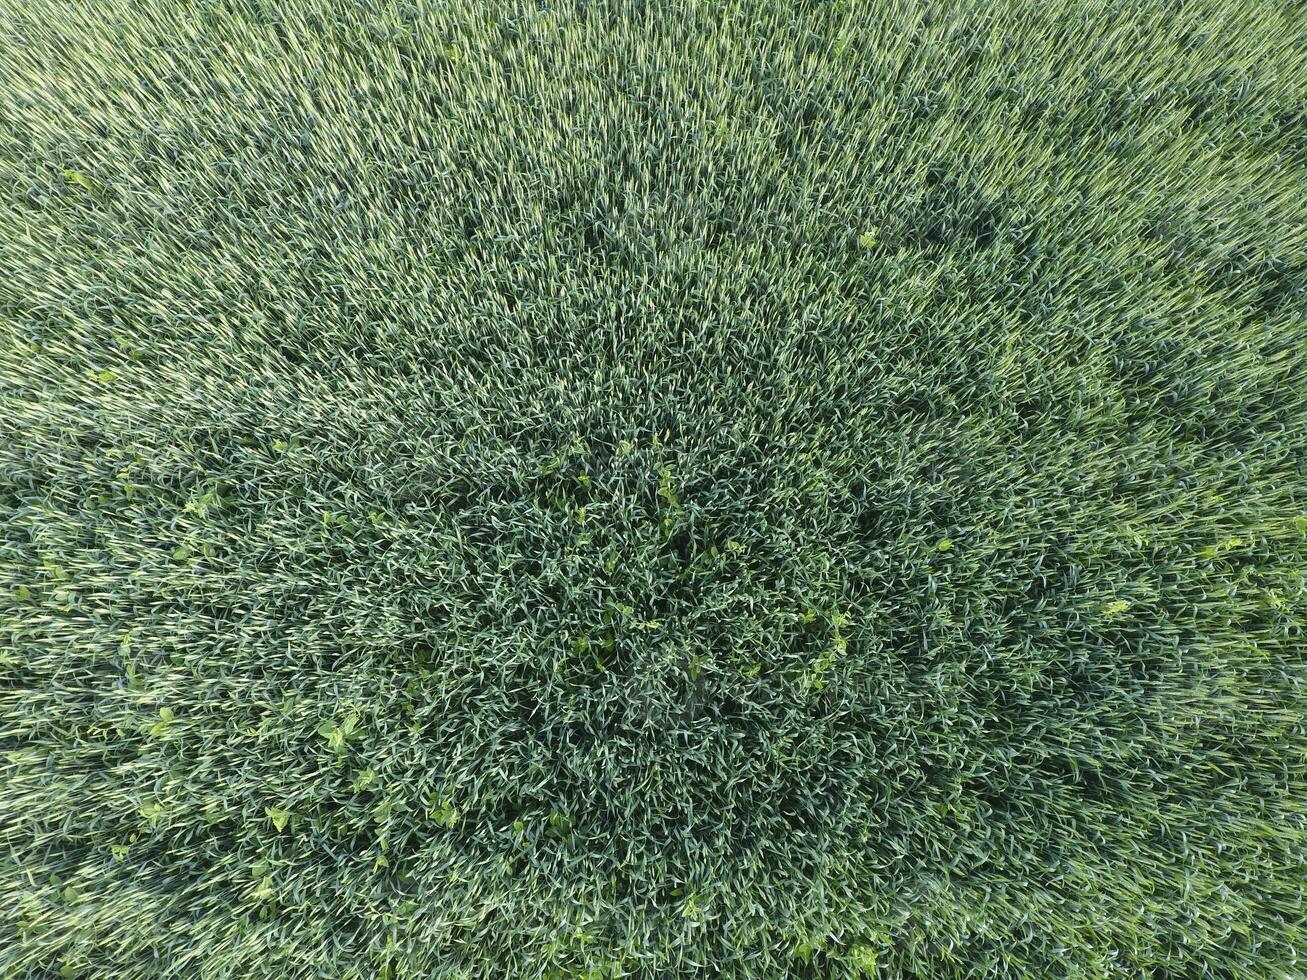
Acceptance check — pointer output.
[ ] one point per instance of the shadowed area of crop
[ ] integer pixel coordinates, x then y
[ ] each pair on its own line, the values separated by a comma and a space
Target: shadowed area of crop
600, 490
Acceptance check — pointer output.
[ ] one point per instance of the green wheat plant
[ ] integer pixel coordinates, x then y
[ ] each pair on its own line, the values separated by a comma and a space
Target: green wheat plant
589, 490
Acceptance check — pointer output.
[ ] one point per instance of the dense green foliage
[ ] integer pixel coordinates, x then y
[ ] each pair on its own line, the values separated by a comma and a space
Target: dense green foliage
756, 490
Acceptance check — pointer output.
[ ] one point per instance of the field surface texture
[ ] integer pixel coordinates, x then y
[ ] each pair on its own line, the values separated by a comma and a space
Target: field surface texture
653, 490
